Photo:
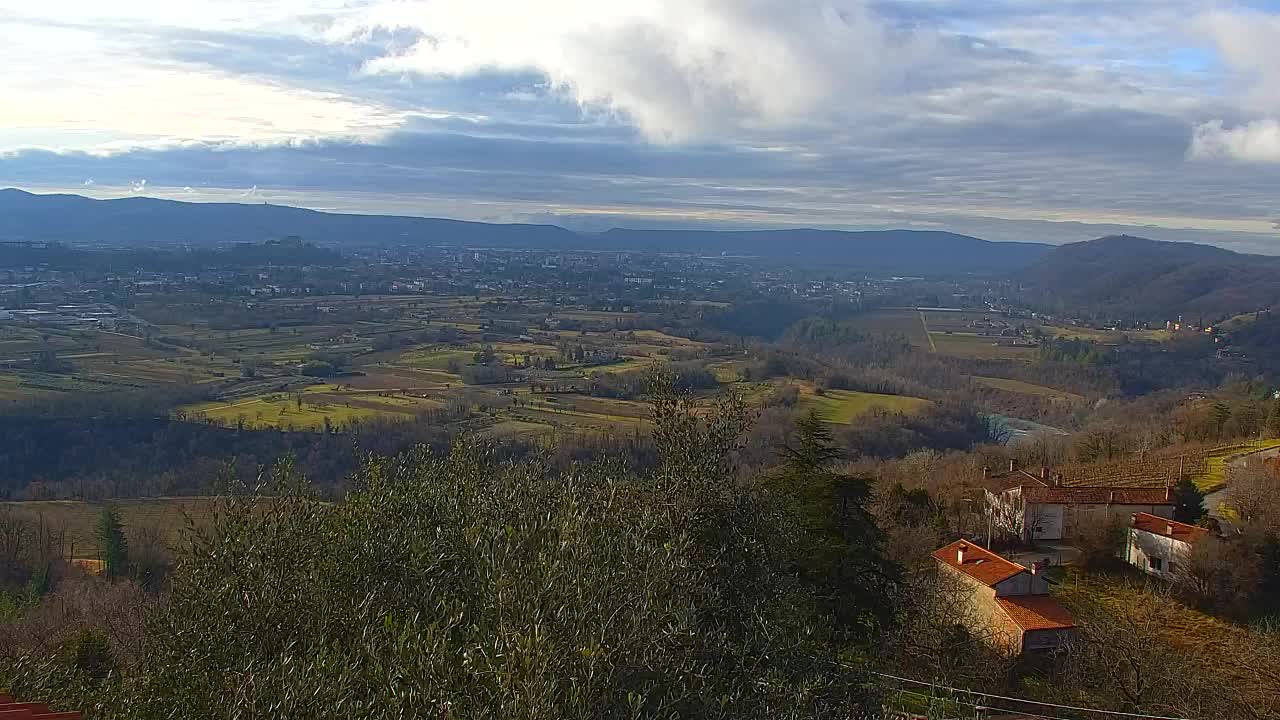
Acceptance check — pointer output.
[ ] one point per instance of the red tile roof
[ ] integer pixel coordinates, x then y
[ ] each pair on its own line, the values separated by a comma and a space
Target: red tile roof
31, 711
1157, 525
1096, 496
980, 564
1036, 612
1017, 478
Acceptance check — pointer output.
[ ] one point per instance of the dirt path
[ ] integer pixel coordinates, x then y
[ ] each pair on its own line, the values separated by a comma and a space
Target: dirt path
928, 335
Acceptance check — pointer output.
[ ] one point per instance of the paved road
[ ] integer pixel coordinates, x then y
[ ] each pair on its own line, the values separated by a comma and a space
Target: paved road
1216, 500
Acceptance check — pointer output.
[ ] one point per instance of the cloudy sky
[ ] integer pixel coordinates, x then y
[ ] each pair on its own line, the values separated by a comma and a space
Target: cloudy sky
1009, 119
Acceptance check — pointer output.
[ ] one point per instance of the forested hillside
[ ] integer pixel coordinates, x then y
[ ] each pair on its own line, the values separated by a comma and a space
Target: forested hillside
1136, 279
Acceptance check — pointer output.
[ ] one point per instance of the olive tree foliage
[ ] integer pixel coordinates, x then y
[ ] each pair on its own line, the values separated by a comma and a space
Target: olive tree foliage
457, 586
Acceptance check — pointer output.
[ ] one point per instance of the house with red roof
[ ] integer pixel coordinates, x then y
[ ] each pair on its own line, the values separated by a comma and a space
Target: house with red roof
1004, 602
1160, 546
1034, 507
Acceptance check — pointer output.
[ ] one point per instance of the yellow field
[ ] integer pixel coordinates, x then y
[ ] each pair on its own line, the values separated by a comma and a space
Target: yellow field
1215, 465
1026, 388
657, 336
627, 365
729, 371
1104, 336
844, 406
281, 411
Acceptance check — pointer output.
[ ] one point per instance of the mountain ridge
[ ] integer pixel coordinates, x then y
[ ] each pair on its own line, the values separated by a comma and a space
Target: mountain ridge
77, 219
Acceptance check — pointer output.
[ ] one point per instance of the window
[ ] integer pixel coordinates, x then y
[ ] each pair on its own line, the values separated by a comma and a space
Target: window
1156, 563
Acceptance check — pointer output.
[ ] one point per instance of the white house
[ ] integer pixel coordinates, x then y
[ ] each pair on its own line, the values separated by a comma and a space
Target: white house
1159, 546
1034, 508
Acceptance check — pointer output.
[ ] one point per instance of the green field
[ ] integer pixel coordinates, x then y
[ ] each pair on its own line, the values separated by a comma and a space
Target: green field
1026, 388
844, 406
435, 358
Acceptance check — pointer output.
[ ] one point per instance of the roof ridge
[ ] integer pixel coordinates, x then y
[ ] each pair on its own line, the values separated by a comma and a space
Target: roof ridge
948, 554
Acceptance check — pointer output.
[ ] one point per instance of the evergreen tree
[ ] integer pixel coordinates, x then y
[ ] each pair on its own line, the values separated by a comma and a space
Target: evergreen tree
1188, 502
113, 548
844, 554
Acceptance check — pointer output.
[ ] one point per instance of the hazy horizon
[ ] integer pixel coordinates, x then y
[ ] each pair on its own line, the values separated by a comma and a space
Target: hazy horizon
1009, 121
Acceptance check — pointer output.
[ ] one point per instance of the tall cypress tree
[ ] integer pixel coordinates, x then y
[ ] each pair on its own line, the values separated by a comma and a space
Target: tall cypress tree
1188, 502
113, 547
844, 545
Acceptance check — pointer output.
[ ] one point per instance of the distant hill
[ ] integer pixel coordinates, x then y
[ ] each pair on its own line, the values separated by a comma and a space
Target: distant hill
138, 220
1148, 279
146, 221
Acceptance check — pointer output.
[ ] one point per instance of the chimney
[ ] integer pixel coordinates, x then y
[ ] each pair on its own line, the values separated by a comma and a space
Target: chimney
986, 471
1013, 464
1044, 472
961, 552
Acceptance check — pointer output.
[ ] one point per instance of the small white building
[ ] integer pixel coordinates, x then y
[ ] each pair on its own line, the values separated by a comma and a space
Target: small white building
1160, 546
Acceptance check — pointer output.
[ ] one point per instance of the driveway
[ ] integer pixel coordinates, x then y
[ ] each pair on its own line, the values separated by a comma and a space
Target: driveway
1215, 501
1056, 553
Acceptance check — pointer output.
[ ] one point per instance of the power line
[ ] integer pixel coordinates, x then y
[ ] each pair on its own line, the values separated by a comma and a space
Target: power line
1029, 702
974, 693
977, 706
984, 707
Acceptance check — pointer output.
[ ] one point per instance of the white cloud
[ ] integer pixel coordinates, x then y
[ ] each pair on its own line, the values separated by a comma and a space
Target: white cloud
1249, 43
679, 69
84, 88
1258, 142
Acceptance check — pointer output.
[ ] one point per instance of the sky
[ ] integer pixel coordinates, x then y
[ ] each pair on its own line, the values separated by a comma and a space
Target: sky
1052, 121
